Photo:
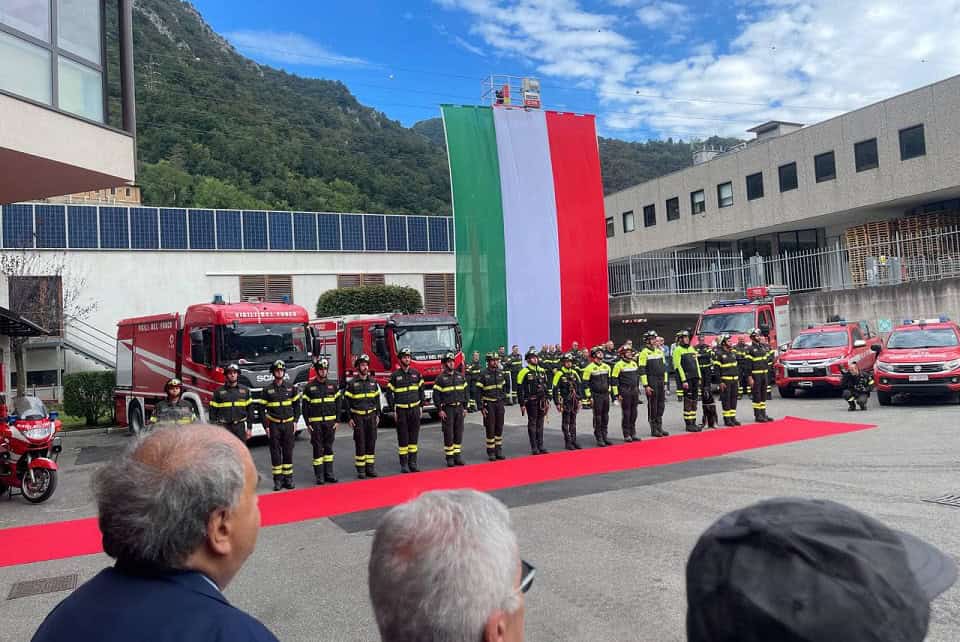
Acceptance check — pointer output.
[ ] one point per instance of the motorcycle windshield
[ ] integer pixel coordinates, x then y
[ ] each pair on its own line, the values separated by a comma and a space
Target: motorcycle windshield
29, 408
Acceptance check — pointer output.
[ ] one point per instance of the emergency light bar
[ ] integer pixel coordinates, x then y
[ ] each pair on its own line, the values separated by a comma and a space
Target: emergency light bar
940, 319
764, 291
729, 302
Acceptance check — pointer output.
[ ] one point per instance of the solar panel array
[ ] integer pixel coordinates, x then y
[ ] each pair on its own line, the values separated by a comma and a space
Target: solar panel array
92, 227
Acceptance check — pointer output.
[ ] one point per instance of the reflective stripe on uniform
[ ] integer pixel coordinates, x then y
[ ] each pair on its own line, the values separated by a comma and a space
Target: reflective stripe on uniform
325, 418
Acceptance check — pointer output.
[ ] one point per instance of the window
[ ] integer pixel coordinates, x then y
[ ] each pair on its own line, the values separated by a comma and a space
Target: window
698, 202
649, 216
856, 334
267, 287
356, 342
201, 345
438, 294
609, 227
725, 194
755, 186
824, 167
25, 69
673, 209
32, 17
865, 155
78, 28
912, 143
788, 177
628, 223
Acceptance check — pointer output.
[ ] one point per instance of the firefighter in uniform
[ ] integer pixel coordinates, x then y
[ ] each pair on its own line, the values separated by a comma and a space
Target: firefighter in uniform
567, 389
362, 399
758, 355
321, 404
406, 396
230, 406
174, 410
740, 350
534, 400
652, 364
490, 392
728, 365
450, 397
473, 373
856, 386
514, 364
688, 374
709, 378
596, 381
626, 388
281, 402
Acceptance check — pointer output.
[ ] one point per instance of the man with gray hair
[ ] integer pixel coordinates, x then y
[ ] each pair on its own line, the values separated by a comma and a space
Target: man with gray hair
445, 567
178, 511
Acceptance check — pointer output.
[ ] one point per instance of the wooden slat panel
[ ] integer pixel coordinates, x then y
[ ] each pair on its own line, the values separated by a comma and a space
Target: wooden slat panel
438, 294
348, 281
266, 287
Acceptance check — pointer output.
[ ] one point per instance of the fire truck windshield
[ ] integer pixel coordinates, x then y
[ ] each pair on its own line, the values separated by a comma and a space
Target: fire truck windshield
821, 340
427, 341
263, 343
730, 322
928, 338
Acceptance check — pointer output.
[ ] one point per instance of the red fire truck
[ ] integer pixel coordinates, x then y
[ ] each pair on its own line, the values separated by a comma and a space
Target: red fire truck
381, 336
196, 346
766, 307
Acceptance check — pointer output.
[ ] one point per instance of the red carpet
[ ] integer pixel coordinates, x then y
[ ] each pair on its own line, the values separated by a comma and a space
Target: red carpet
37, 543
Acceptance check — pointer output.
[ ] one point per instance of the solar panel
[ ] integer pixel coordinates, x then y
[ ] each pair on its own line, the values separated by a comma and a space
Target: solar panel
114, 233
397, 233
201, 230
417, 226
328, 227
228, 230
453, 245
82, 227
439, 241
144, 234
281, 231
18, 226
374, 233
51, 226
352, 232
173, 229
254, 230
305, 231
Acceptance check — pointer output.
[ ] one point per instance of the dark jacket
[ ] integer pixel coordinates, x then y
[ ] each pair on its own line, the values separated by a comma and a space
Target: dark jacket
281, 403
321, 401
533, 383
567, 387
118, 606
362, 396
177, 412
231, 405
405, 389
450, 388
490, 386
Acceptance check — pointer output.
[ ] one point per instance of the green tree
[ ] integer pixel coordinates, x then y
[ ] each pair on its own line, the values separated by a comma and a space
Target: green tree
369, 299
89, 394
217, 194
166, 184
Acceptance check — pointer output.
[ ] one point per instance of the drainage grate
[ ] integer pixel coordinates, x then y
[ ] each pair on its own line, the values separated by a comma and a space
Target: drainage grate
97, 454
952, 499
44, 585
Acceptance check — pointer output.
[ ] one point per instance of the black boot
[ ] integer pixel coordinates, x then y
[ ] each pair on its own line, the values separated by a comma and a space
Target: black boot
851, 406
663, 433
450, 462
403, 464
278, 482
413, 463
532, 436
540, 449
318, 474
288, 482
757, 417
767, 418
600, 441
458, 460
692, 426
574, 443
499, 452
361, 472
627, 439
491, 454
371, 470
328, 473
862, 404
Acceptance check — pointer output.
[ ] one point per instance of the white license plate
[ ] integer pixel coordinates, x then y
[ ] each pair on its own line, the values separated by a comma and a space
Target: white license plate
920, 377
805, 370
806, 384
428, 394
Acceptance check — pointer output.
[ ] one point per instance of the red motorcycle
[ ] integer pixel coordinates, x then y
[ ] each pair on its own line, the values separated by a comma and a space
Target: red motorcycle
29, 449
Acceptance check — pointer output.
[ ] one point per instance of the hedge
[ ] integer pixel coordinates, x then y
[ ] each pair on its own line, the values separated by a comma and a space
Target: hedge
369, 299
89, 394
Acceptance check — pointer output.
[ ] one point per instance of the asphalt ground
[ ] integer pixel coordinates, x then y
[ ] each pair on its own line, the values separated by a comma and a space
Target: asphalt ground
610, 549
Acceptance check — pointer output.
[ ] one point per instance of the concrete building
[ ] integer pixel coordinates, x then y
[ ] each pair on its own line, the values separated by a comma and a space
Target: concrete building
130, 261
57, 132
816, 207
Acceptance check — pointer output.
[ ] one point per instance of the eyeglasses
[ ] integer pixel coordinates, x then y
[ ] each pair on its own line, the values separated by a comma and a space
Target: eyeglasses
527, 573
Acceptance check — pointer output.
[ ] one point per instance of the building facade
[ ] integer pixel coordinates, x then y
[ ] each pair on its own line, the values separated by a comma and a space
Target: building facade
129, 261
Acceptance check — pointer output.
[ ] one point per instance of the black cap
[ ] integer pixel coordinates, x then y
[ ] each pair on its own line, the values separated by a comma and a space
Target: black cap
804, 570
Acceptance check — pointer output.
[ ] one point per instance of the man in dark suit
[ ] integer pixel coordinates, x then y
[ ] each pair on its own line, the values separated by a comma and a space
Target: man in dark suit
178, 511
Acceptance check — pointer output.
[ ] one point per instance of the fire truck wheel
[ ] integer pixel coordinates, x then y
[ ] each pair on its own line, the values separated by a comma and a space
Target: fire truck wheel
884, 398
786, 391
135, 421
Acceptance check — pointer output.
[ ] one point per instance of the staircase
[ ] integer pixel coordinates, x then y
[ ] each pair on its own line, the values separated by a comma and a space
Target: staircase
82, 339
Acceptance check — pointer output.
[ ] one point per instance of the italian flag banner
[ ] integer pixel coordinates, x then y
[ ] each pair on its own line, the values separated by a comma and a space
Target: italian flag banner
531, 247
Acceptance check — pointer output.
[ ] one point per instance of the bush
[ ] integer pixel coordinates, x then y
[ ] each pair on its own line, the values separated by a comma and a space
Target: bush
89, 394
369, 299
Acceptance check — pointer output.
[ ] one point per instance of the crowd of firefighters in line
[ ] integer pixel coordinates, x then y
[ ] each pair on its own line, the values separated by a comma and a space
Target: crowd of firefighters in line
590, 378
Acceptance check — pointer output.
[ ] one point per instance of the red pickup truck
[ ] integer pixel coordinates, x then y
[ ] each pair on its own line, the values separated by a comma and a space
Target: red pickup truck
814, 358
922, 357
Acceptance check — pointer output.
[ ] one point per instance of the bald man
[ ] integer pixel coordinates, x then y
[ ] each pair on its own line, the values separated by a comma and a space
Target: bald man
178, 511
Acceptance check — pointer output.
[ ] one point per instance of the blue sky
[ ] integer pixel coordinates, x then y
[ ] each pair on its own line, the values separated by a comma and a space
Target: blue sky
647, 68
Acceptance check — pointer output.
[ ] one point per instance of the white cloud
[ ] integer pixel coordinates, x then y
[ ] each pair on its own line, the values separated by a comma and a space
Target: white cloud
463, 44
289, 48
801, 60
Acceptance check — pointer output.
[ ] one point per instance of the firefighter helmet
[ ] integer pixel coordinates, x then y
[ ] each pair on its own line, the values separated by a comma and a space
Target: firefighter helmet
626, 347
172, 383
683, 334
278, 365
448, 357
361, 359
723, 338
531, 353
566, 357
493, 356
404, 352
596, 352
755, 333
649, 336
321, 364
232, 368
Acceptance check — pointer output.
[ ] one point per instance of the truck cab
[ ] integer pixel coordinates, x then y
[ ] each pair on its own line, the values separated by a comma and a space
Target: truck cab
813, 361
766, 308
921, 358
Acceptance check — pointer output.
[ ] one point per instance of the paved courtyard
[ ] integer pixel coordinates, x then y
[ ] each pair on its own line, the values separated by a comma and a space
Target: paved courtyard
610, 549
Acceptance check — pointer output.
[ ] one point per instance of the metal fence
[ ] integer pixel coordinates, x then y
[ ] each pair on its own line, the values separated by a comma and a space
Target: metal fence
927, 256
